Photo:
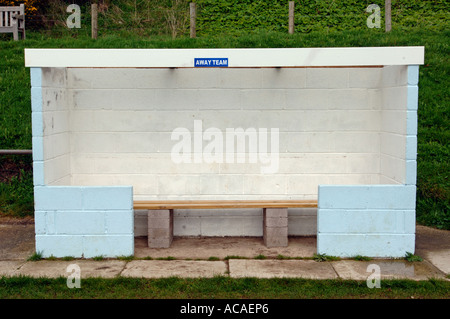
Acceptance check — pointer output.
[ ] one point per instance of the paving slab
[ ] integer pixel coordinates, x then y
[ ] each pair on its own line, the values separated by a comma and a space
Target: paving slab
281, 269
16, 240
9, 267
174, 268
389, 269
221, 247
58, 268
440, 259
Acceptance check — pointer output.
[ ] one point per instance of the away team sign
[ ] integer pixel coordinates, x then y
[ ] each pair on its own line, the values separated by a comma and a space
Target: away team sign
211, 62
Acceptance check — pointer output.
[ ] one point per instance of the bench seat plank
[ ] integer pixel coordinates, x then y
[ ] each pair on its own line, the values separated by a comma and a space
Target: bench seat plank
221, 204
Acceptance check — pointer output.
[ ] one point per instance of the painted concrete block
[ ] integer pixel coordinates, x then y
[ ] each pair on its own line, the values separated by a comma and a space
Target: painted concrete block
54, 77
38, 148
80, 222
37, 123
394, 75
395, 98
59, 245
319, 78
411, 172
367, 197
108, 198
413, 98
283, 78
356, 221
58, 198
108, 246
365, 77
240, 78
36, 99
411, 123
272, 99
38, 173
56, 168
36, 77
308, 99
411, 147
40, 222
119, 222
413, 74
371, 245
393, 168
394, 121
56, 122
56, 145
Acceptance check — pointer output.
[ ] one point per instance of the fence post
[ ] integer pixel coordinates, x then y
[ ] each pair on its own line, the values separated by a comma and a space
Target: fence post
193, 14
94, 20
387, 15
291, 17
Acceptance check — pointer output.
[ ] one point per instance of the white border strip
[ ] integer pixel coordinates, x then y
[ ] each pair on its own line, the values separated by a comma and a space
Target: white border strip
179, 58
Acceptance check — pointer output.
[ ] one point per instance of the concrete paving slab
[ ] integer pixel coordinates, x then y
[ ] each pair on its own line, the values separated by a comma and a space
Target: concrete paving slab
57, 268
178, 268
440, 259
221, 247
9, 267
281, 269
389, 269
16, 240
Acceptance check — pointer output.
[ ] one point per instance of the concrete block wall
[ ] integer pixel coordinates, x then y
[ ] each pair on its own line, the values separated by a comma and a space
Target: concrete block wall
84, 221
122, 120
374, 220
52, 146
343, 126
379, 220
398, 152
71, 221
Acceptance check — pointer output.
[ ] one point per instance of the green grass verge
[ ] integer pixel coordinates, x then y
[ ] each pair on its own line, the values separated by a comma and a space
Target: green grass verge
219, 288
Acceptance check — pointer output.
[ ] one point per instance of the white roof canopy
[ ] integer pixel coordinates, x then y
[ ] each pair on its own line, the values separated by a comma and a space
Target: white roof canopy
184, 58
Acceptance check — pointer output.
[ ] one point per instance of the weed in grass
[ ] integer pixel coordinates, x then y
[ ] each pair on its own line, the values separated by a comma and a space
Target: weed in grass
362, 258
212, 258
126, 258
36, 256
324, 257
282, 257
147, 258
51, 258
166, 258
68, 258
260, 257
98, 258
411, 257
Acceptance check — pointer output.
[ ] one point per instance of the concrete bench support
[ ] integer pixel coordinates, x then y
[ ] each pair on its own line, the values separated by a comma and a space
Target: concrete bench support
160, 228
275, 223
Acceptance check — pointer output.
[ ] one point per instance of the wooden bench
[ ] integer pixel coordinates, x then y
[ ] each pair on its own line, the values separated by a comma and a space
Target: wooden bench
12, 20
275, 217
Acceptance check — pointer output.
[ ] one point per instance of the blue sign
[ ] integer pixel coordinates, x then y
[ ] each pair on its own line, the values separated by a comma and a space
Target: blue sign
211, 62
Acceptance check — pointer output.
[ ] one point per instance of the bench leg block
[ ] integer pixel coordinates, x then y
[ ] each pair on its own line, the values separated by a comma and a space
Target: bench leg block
160, 228
275, 227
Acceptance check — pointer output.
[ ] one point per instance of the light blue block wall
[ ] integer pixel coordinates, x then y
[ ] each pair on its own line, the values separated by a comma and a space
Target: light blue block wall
368, 220
84, 221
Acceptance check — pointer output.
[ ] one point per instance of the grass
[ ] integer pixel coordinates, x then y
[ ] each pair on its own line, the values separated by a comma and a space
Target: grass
433, 186
220, 287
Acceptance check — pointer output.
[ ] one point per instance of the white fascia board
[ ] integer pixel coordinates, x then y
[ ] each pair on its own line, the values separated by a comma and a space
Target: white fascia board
179, 58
